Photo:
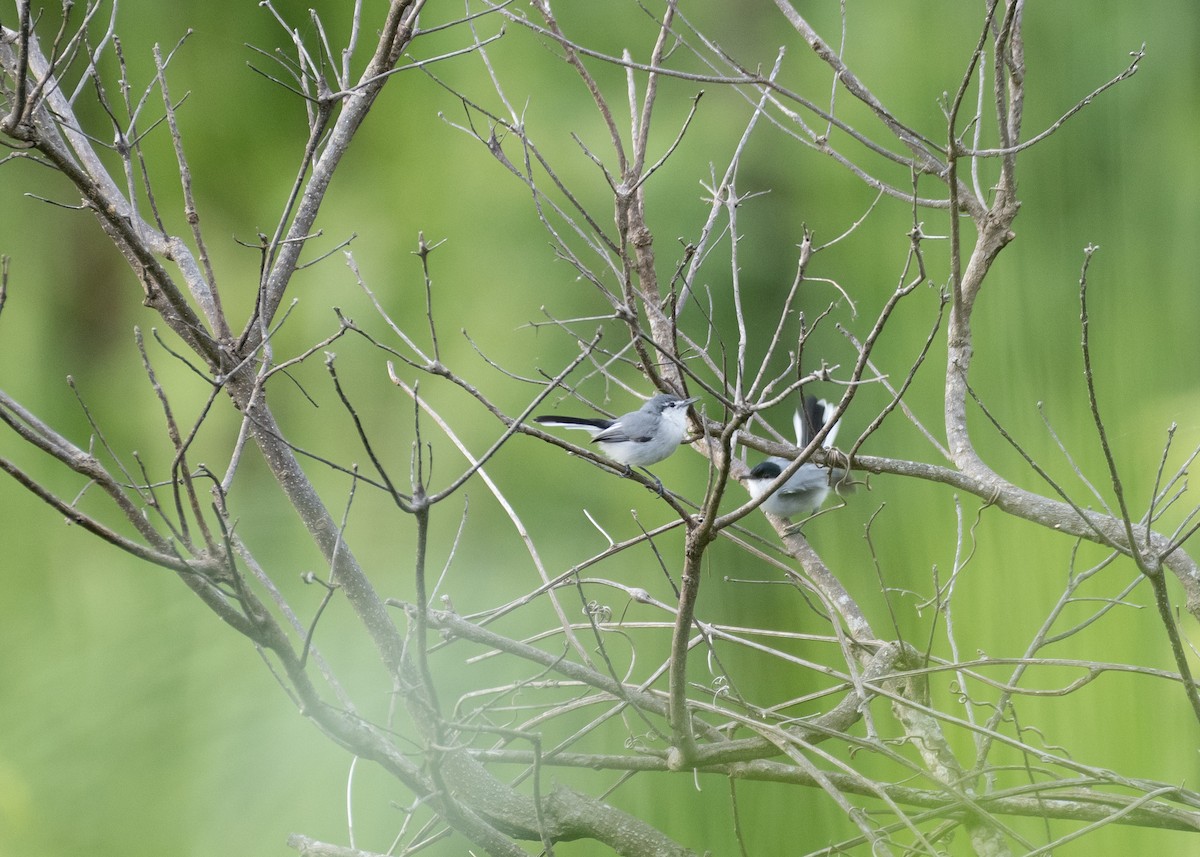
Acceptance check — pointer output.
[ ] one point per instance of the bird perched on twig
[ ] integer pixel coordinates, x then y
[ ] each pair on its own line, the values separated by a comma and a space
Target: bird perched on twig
636, 439
805, 490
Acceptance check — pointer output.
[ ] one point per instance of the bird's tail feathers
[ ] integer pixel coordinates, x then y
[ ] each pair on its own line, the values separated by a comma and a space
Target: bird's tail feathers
585, 423
809, 419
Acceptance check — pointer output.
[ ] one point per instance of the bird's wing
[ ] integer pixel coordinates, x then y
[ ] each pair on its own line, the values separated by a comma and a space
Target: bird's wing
807, 478
617, 433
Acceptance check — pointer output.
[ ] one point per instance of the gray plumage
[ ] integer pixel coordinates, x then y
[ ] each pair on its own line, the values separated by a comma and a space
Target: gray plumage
805, 490
639, 438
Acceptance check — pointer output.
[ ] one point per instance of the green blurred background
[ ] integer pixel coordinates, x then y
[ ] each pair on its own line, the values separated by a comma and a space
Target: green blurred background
131, 722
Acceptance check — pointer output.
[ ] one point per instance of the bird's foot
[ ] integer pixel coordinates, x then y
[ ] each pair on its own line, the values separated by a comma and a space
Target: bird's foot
657, 487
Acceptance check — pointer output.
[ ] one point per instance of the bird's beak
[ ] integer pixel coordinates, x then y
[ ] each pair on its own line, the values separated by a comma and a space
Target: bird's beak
690, 401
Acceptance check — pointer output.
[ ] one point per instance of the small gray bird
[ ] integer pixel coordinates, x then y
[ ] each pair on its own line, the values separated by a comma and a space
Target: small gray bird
806, 489
639, 438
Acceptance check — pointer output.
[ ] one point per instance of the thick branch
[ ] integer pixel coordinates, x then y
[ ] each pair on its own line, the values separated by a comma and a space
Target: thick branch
1071, 804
